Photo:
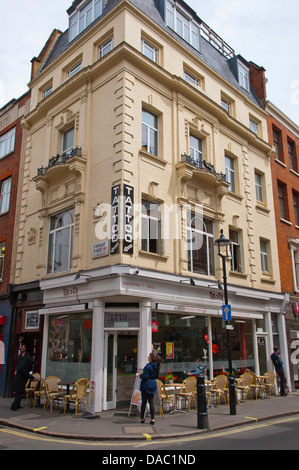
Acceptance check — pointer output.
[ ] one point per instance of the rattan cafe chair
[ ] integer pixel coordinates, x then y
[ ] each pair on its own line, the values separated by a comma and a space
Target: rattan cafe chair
77, 394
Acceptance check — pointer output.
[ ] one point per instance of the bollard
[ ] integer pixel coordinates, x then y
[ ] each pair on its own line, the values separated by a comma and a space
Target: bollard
202, 412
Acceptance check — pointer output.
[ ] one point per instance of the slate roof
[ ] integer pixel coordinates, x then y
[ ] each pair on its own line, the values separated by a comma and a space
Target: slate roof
154, 9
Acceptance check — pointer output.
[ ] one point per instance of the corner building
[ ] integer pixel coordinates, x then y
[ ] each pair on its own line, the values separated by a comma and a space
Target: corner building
140, 108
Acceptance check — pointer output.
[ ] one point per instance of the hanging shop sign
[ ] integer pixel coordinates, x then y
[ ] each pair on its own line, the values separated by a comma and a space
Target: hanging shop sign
115, 219
128, 219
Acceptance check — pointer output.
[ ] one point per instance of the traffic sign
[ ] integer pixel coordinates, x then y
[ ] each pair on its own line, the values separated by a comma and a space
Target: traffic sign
226, 312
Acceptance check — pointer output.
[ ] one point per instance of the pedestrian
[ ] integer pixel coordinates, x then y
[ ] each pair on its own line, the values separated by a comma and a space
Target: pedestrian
23, 367
278, 364
148, 385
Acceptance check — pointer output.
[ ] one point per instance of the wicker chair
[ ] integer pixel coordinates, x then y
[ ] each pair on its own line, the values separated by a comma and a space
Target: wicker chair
245, 388
54, 390
31, 387
256, 386
41, 393
269, 383
77, 394
219, 389
188, 392
164, 397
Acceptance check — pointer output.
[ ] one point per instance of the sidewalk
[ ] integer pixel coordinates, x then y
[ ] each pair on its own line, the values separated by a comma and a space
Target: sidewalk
117, 425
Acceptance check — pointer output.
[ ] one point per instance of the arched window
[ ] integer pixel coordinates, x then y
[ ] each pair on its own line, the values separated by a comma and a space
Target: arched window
201, 254
60, 242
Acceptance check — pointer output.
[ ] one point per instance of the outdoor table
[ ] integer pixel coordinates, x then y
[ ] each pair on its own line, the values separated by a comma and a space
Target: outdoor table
261, 379
176, 386
67, 385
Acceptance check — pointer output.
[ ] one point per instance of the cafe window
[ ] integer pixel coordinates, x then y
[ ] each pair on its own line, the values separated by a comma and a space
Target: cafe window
69, 346
241, 350
180, 340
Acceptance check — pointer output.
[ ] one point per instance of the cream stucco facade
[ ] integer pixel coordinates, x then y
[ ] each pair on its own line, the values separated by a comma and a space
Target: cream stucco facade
103, 104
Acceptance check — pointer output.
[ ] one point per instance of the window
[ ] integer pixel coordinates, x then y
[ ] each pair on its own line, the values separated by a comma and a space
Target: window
7, 142
200, 239
196, 152
68, 141
283, 203
105, 48
5, 196
292, 156
47, 91
225, 105
151, 228
2, 256
236, 261
191, 79
149, 51
182, 24
277, 144
258, 187
243, 76
264, 256
149, 132
60, 242
296, 207
230, 173
83, 17
254, 126
69, 346
75, 69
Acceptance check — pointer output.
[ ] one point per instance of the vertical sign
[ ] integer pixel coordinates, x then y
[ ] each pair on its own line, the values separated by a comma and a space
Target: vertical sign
128, 219
115, 216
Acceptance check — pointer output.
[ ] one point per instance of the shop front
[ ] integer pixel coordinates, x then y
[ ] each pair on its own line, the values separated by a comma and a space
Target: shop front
103, 327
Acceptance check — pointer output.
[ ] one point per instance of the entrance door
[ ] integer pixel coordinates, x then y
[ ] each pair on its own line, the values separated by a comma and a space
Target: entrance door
120, 368
262, 352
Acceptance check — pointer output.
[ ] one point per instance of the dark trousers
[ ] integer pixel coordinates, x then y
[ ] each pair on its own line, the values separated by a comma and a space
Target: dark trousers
283, 381
17, 401
147, 397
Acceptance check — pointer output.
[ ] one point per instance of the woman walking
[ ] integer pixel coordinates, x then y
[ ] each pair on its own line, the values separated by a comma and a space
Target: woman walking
148, 386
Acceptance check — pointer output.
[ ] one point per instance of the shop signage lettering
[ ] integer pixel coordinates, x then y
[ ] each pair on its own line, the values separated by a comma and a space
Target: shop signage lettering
67, 292
128, 219
115, 215
121, 320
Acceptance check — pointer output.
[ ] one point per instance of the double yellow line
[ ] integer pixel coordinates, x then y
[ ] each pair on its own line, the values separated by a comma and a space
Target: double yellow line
200, 437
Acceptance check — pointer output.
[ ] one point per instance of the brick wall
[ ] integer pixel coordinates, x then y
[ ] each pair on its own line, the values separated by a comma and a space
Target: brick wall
281, 173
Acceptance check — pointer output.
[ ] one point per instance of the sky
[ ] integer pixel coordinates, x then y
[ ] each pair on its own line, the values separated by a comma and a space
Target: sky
265, 32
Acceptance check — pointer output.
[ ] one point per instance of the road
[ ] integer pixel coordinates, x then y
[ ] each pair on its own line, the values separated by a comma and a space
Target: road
278, 434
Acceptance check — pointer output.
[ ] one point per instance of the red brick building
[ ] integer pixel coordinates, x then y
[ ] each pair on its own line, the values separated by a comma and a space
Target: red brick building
284, 136
11, 148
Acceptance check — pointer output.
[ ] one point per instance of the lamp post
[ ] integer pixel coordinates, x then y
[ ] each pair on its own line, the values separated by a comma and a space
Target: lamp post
224, 248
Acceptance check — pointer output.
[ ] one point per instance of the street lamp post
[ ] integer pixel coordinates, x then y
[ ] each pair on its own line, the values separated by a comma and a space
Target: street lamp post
224, 245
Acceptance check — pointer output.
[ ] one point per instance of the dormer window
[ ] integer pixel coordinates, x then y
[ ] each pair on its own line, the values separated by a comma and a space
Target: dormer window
84, 15
243, 73
182, 23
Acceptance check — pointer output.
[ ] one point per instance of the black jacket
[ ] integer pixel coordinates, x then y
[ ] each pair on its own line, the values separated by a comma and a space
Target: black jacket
23, 367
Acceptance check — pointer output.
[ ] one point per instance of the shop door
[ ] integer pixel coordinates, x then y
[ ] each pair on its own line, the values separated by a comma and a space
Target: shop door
120, 368
262, 352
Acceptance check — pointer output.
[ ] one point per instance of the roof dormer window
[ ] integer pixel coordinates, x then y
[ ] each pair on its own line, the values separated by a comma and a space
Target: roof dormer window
243, 74
182, 23
83, 16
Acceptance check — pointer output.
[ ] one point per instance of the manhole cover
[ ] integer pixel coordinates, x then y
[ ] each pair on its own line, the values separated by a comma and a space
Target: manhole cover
139, 430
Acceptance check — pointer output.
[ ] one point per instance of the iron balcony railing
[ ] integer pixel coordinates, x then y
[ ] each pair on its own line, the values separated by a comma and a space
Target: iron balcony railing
203, 165
59, 160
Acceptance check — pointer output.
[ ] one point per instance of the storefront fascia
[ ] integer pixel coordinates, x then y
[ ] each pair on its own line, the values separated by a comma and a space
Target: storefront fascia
151, 293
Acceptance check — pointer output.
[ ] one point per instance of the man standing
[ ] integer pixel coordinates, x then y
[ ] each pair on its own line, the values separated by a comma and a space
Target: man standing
23, 367
278, 364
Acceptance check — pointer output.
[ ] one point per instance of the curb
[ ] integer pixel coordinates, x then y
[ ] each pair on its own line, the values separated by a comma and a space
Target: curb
148, 438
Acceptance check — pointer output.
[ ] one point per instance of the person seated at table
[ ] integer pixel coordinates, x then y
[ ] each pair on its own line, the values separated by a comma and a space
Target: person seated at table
198, 371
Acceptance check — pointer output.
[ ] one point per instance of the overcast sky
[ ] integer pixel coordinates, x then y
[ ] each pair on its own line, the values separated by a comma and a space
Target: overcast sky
263, 31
